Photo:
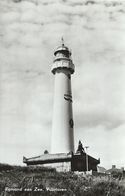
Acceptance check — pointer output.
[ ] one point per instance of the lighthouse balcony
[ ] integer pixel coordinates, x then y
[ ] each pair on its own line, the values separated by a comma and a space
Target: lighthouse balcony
63, 65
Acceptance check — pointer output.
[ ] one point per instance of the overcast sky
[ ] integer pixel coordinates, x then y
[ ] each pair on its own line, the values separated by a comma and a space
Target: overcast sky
30, 30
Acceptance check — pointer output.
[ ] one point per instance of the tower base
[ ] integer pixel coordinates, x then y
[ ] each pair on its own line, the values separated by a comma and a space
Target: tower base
64, 162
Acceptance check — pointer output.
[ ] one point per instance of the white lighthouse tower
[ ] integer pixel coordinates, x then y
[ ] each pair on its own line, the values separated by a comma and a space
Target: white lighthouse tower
62, 140
62, 143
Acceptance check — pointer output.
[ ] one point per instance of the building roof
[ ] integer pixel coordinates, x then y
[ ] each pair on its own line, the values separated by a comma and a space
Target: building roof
101, 169
48, 158
56, 158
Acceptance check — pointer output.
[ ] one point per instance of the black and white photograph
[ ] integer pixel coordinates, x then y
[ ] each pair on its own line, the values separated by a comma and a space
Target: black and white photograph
62, 97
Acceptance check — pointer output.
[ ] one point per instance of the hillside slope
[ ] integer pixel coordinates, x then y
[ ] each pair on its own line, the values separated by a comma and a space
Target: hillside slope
16, 180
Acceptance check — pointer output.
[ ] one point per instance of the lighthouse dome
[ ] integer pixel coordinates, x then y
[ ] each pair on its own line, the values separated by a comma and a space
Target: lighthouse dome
62, 49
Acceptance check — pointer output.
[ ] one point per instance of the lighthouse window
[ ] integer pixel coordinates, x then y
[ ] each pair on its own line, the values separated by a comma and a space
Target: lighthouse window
68, 97
71, 123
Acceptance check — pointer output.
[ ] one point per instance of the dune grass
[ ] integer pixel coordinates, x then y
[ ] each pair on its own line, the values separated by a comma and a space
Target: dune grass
49, 182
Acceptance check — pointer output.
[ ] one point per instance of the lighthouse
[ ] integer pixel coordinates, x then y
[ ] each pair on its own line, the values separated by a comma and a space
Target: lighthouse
62, 156
62, 139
